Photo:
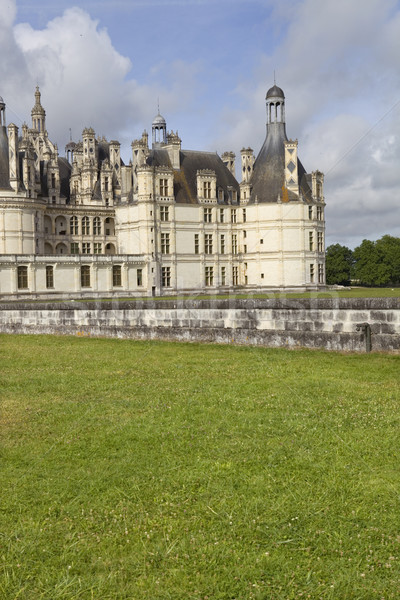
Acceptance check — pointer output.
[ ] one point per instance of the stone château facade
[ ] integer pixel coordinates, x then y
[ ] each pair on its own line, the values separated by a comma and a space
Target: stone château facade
171, 221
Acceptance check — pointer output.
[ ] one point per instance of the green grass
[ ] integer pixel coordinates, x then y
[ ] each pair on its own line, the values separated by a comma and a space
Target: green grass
146, 470
350, 292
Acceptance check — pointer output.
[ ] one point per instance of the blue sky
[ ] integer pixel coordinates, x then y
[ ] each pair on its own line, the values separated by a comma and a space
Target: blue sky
209, 63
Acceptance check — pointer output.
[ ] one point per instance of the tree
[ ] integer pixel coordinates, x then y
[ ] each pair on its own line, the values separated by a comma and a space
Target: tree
371, 267
389, 248
339, 263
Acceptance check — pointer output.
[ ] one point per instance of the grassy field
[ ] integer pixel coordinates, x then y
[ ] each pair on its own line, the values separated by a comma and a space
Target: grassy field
146, 470
344, 292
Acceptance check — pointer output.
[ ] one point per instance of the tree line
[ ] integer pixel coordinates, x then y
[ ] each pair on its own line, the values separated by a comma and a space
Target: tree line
371, 263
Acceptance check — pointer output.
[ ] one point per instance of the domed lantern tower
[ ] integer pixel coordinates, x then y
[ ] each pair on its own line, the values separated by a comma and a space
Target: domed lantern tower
159, 131
275, 100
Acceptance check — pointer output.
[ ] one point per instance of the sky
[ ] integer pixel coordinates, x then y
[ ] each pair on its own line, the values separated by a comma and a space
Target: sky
207, 65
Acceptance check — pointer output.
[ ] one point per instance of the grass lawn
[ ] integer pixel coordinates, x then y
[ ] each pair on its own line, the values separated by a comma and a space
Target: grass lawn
148, 470
344, 292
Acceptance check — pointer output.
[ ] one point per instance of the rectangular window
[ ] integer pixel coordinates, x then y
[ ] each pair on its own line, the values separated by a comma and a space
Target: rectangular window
22, 273
207, 215
85, 226
166, 276
233, 215
208, 243
223, 275
234, 244
310, 212
245, 248
117, 275
73, 225
221, 215
244, 215
220, 194
312, 273
196, 243
320, 241
319, 213
139, 277
311, 241
85, 248
320, 273
96, 226
207, 189
245, 234
235, 275
74, 248
222, 243
209, 276
85, 276
49, 277
163, 187
164, 213
97, 249
165, 243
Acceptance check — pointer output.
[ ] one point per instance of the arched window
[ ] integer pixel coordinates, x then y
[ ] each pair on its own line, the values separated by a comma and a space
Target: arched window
85, 226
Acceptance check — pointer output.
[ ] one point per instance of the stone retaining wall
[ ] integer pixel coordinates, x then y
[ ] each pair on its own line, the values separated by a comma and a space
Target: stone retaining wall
313, 323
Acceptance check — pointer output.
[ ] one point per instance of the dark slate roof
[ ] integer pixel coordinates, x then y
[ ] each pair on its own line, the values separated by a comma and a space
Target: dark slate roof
268, 174
185, 179
269, 169
103, 149
65, 175
305, 182
4, 164
44, 190
97, 191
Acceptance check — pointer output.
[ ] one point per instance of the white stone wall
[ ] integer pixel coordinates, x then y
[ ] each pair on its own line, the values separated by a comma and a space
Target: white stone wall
67, 276
316, 323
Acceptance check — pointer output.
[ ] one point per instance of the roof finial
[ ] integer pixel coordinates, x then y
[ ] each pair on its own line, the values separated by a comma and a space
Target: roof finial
70, 134
158, 104
274, 78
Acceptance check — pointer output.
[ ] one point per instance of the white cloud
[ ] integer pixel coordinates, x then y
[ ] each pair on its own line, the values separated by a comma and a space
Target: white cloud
84, 80
338, 65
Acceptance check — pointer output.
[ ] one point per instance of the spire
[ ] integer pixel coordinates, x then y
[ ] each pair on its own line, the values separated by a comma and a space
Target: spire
2, 112
38, 113
4, 157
